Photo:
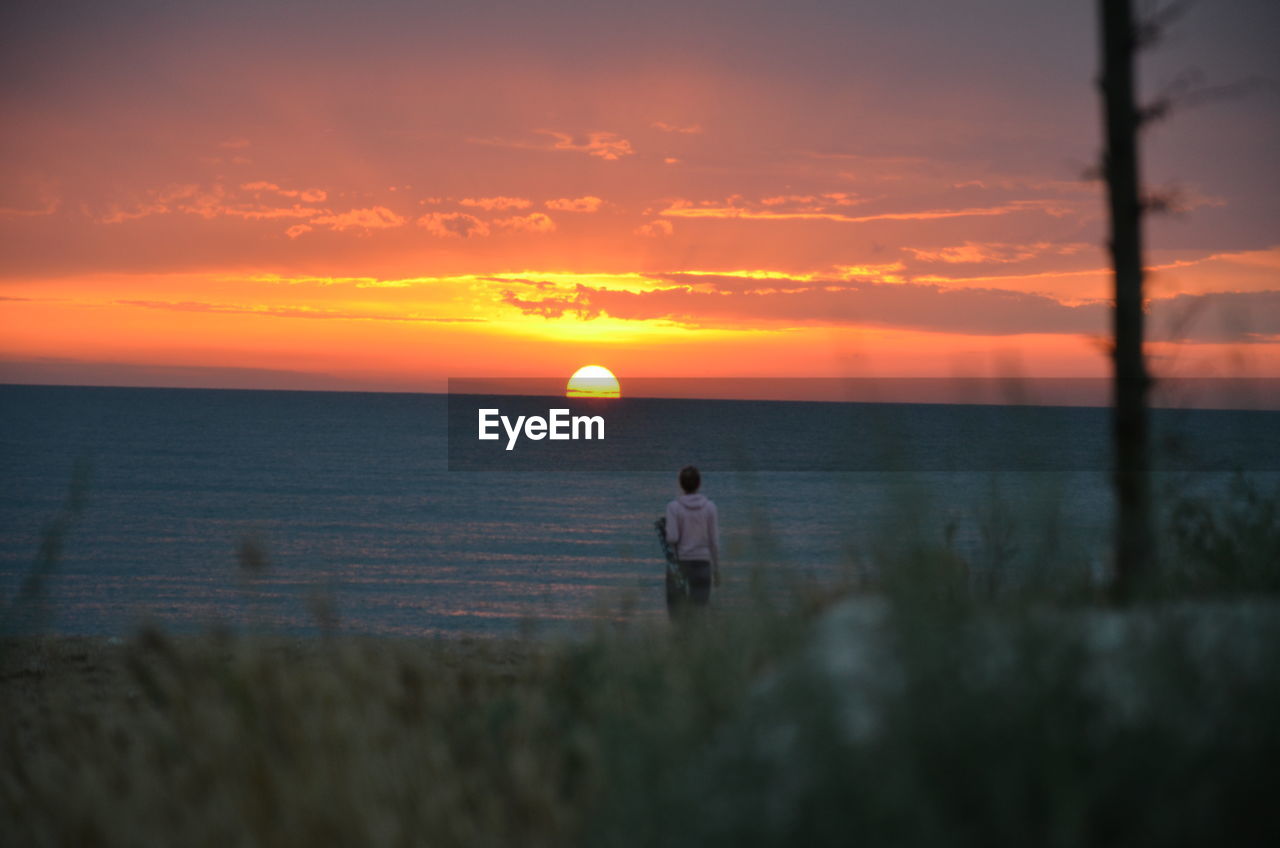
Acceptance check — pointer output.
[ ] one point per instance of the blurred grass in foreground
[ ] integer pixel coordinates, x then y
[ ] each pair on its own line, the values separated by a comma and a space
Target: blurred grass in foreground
922, 706
878, 722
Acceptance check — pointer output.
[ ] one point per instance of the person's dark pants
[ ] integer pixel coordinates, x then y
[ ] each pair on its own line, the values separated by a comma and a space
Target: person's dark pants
697, 573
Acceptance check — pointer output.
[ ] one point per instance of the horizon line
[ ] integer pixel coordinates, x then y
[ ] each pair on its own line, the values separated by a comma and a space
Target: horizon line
1235, 393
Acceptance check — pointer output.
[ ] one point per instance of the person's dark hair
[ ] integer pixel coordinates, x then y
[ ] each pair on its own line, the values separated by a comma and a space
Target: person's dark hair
690, 479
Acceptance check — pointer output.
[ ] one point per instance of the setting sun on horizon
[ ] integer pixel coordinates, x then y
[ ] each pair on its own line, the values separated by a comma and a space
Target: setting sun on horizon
594, 381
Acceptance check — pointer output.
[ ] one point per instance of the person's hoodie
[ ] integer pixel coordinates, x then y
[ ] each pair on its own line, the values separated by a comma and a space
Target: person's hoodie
693, 528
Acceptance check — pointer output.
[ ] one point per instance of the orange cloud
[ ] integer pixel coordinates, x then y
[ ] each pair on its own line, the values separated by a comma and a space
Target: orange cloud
453, 225
576, 204
655, 229
372, 218
1251, 270
49, 208
813, 202
310, 195
118, 214
40, 199
691, 129
884, 272
787, 198
264, 213
496, 203
995, 252
208, 203
535, 222
291, 312
745, 303
730, 210
605, 145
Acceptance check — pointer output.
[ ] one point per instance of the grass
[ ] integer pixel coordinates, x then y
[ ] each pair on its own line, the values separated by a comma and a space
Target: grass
880, 721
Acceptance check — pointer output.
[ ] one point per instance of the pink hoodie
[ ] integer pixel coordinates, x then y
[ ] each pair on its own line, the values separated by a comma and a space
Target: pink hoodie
693, 527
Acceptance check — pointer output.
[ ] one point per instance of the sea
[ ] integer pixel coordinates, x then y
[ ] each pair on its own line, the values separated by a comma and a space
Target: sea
301, 512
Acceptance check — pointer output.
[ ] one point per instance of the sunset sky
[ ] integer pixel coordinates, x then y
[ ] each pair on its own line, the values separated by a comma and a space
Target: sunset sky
384, 194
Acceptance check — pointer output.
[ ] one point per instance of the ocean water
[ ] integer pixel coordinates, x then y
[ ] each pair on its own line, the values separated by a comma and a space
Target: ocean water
351, 500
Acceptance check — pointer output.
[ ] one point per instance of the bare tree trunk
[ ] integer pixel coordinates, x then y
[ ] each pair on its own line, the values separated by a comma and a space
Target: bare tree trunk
1134, 541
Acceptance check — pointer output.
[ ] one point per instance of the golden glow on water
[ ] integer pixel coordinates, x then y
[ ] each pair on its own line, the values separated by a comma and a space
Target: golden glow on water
594, 381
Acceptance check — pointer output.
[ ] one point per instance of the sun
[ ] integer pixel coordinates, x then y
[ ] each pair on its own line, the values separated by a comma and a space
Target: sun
593, 381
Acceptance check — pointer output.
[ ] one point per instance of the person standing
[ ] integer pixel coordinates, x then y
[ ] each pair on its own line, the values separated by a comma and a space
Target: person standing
693, 531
